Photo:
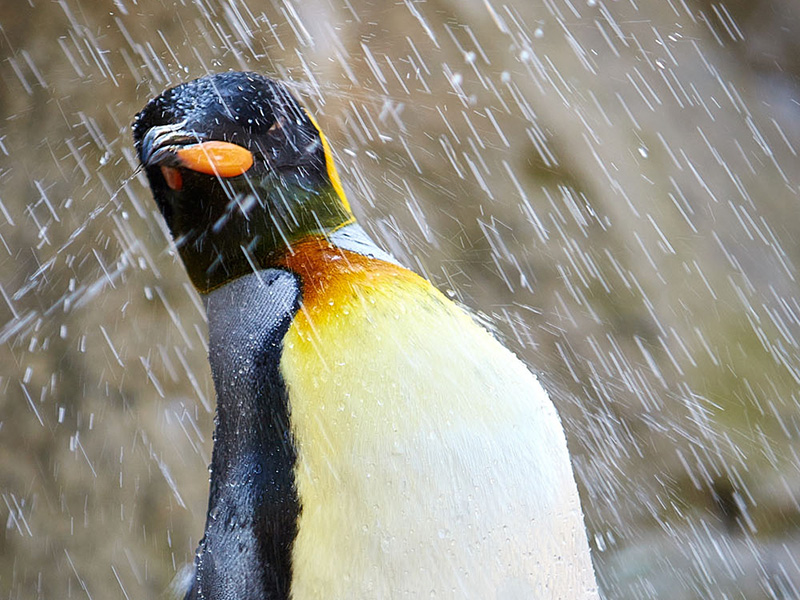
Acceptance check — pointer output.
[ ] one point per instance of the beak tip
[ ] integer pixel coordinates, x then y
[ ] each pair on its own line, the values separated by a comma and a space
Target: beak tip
222, 159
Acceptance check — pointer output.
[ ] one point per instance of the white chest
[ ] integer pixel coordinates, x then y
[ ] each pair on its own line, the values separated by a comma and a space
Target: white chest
430, 463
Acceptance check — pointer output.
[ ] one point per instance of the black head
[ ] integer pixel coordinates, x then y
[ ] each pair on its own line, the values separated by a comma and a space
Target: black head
239, 170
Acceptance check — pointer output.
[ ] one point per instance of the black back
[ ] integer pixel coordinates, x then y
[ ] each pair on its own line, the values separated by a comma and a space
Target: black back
253, 507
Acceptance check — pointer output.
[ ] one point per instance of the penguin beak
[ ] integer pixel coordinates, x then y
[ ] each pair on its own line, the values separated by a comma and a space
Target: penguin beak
172, 146
161, 143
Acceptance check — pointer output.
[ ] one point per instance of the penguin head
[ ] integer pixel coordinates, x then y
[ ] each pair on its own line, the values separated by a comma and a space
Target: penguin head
239, 170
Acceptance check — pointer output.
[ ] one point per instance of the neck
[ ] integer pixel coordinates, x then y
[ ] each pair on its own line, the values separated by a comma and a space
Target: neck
254, 230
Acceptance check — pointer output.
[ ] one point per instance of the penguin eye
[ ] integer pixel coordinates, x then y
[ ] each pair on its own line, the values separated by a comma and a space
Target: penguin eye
222, 159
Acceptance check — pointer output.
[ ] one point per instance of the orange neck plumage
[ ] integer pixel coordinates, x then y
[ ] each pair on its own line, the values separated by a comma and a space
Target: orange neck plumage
331, 276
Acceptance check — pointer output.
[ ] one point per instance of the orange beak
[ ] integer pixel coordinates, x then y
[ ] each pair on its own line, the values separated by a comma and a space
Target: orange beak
222, 159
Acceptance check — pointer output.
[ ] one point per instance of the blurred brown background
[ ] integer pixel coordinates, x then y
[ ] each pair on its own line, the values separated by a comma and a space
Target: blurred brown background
613, 183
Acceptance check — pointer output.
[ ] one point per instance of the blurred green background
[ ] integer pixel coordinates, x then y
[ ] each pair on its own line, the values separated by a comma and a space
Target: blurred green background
614, 184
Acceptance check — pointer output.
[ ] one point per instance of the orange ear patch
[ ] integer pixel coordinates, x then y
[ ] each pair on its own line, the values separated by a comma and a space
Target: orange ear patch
216, 158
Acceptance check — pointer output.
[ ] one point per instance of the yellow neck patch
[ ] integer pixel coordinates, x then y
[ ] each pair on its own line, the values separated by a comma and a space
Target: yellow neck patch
329, 164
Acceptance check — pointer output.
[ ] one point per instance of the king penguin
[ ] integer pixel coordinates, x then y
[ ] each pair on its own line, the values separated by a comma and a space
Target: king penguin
371, 440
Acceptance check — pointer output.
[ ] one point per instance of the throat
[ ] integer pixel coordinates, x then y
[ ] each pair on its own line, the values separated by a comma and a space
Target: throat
254, 229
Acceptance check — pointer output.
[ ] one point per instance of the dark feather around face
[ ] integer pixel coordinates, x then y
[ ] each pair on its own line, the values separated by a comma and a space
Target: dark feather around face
284, 190
246, 109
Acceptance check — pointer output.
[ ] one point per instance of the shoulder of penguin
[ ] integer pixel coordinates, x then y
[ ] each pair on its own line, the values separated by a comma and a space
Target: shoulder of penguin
352, 237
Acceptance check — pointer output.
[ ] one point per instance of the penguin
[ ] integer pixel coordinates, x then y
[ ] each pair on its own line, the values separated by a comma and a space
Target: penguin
372, 441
